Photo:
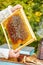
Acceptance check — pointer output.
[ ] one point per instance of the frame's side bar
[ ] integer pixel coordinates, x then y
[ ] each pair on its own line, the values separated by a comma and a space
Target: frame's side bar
30, 41
26, 21
5, 35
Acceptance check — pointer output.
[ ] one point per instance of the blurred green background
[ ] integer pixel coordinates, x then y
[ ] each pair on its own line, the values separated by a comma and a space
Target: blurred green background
34, 12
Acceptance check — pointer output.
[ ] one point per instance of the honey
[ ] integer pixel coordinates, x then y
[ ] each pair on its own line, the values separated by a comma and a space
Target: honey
17, 30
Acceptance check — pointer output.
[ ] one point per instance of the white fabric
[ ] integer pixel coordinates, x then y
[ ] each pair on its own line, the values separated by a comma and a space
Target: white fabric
4, 53
5, 13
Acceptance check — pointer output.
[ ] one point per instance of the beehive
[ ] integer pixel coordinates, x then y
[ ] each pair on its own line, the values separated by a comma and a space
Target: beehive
18, 29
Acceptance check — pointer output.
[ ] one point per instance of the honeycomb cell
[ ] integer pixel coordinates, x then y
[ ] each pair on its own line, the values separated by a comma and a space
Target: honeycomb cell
17, 29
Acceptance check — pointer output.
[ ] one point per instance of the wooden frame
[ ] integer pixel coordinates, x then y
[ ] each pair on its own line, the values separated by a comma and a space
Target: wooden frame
3, 24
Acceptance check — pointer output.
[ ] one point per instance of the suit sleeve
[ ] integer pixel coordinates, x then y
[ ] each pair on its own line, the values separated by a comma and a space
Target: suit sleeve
5, 13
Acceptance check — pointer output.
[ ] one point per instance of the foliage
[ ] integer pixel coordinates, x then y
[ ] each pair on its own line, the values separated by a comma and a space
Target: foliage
2, 38
33, 10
